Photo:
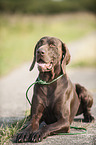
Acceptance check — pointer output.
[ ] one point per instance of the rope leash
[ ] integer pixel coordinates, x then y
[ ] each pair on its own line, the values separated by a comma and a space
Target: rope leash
39, 81
77, 128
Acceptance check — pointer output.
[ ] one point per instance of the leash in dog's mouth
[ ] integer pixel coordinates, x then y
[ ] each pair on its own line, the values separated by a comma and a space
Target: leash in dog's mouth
39, 81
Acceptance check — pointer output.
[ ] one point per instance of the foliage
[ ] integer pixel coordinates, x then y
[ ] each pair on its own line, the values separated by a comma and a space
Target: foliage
7, 132
47, 6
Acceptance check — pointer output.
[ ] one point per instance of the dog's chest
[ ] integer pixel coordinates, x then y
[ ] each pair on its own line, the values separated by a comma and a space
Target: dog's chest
53, 92
48, 94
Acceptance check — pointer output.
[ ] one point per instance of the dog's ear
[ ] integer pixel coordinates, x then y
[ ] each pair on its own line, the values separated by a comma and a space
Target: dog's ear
34, 59
65, 57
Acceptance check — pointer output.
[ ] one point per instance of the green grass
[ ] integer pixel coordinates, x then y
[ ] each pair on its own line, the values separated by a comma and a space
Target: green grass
19, 34
7, 132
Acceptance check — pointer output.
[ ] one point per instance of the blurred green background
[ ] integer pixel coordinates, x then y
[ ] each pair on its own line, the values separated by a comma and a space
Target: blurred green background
23, 23
47, 6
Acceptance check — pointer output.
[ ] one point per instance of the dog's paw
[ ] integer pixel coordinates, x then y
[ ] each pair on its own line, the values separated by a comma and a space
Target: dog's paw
22, 137
39, 135
89, 118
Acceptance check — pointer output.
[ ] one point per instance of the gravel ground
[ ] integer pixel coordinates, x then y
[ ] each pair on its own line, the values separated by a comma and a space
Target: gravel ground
13, 103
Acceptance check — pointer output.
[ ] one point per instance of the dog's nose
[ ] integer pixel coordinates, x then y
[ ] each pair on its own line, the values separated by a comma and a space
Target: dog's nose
40, 52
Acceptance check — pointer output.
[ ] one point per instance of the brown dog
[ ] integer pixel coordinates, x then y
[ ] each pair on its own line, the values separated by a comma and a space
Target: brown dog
57, 103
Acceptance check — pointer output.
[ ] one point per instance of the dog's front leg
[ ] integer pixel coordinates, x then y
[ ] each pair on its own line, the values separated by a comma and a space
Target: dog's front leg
33, 125
61, 125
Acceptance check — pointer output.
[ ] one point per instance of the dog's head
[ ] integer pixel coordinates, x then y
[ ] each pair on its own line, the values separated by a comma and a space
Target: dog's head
49, 52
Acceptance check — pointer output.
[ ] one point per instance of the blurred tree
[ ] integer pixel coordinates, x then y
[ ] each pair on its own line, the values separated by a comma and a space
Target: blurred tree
47, 6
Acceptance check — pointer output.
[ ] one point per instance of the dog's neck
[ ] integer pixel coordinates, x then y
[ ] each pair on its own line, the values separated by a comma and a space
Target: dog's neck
50, 75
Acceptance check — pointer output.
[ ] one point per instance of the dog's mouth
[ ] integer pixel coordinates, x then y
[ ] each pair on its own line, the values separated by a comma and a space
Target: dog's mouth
44, 66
